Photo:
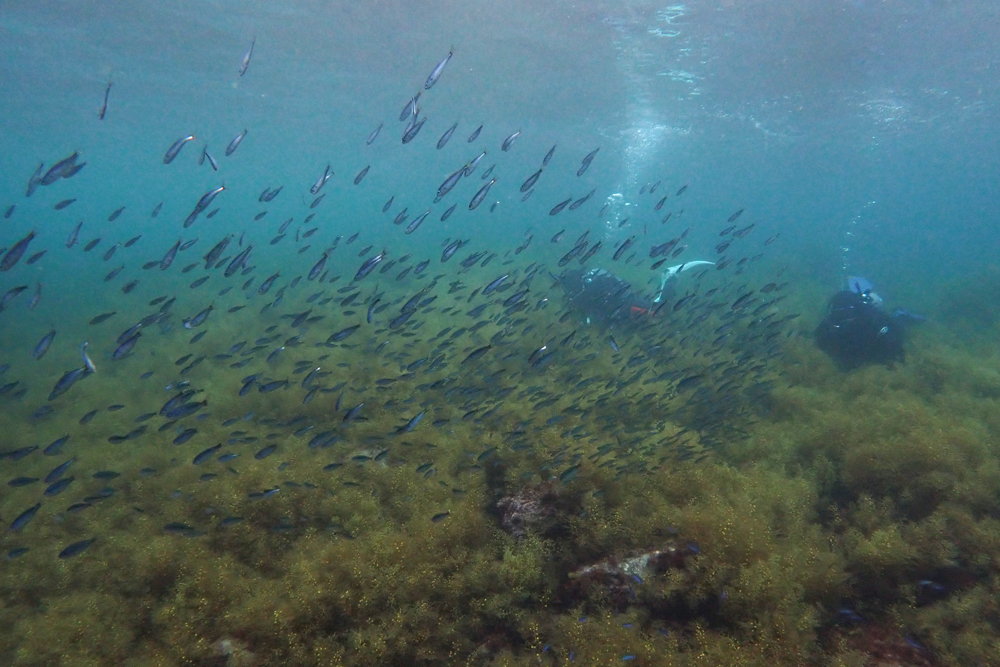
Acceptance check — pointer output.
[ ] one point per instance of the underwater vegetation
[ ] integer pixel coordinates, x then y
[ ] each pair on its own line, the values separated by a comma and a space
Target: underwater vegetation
856, 523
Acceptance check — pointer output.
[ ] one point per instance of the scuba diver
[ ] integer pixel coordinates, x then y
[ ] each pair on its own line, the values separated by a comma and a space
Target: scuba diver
856, 331
603, 297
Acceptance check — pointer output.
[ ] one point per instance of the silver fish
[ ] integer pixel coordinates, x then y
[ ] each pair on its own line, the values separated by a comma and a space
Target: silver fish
411, 132
318, 185
548, 156
436, 74
198, 319
481, 195
168, 259
86, 359
450, 182
446, 136
245, 63
410, 109
233, 145
587, 160
71, 241
60, 170
528, 184
176, 148
15, 253
43, 345
509, 141
471, 167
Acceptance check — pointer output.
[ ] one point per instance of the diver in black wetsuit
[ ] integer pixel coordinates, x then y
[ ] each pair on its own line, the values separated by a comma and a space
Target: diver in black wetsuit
856, 331
603, 297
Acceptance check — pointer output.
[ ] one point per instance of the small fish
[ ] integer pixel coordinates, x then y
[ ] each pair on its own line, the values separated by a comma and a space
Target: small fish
353, 413
583, 200
13, 256
471, 167
450, 182
475, 135
272, 386
237, 262
126, 347
245, 63
74, 235
76, 548
509, 141
477, 353
103, 317
622, 248
441, 516
104, 107
411, 132
87, 363
206, 454
412, 227
63, 204
432, 79
446, 136
317, 268
548, 156
317, 186
734, 216
12, 293
410, 109
58, 487
560, 206
374, 135
569, 474
361, 175
43, 345
58, 471
495, 284
211, 160
369, 265
412, 424
58, 170
587, 160
24, 518
36, 297
198, 319
185, 435
481, 195
343, 333
172, 152
530, 183
34, 181
168, 258
235, 143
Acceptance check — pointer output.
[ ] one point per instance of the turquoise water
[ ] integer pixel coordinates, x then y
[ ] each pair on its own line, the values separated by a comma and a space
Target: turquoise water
404, 466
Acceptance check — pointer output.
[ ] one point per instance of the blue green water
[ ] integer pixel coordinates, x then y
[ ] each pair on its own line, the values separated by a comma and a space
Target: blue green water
834, 139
